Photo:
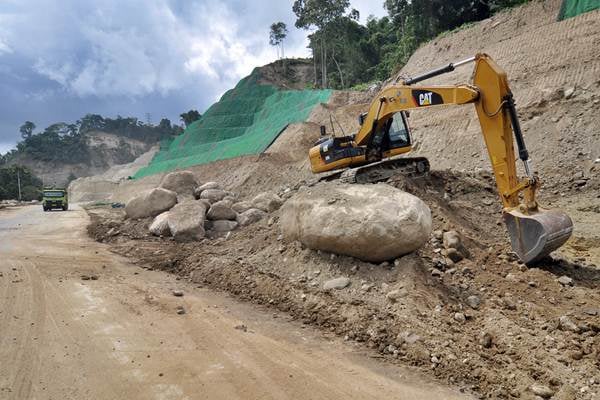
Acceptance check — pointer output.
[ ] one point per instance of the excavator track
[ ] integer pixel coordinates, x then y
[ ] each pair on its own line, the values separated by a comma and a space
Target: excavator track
413, 167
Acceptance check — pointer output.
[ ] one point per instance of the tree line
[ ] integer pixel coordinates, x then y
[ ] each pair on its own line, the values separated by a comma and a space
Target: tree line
346, 53
11, 176
67, 143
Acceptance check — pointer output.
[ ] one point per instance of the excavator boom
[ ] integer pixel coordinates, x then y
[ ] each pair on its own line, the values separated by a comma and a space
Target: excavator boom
534, 232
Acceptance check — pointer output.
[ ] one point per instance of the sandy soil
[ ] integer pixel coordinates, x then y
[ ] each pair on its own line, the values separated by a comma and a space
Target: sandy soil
79, 322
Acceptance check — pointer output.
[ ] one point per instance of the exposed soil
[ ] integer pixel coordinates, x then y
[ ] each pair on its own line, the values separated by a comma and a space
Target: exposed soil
497, 349
486, 324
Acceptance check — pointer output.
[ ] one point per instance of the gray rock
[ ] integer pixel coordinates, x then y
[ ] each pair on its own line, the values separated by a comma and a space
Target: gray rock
151, 203
250, 216
566, 324
221, 210
452, 239
242, 206
408, 337
486, 340
223, 226
186, 221
396, 295
213, 195
177, 293
268, 202
454, 254
474, 302
181, 182
565, 280
541, 390
208, 185
374, 223
460, 317
569, 92
337, 283
160, 225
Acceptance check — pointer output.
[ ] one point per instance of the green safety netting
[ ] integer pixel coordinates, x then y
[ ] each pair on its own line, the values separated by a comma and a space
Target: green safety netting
245, 121
571, 8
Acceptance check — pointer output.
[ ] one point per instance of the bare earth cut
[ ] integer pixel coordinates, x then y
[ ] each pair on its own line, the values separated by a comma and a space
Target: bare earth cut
78, 322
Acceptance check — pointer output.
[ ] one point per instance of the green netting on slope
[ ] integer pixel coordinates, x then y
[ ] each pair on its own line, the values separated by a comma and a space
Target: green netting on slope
571, 8
245, 121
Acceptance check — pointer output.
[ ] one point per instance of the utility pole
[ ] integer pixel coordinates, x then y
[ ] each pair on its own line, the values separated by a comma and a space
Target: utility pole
19, 182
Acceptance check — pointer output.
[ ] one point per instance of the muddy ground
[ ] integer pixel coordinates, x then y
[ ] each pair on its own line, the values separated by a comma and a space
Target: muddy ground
486, 324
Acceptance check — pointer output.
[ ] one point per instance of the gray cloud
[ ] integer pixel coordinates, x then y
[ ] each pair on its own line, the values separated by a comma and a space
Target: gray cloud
60, 60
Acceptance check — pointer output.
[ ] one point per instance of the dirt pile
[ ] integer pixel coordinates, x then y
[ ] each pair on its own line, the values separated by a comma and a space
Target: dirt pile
485, 323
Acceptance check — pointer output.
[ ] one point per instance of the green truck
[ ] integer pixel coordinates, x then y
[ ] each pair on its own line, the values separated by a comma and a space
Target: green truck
55, 198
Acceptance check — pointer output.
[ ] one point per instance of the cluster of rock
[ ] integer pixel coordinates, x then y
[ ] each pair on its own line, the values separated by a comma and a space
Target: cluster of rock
189, 211
374, 223
451, 249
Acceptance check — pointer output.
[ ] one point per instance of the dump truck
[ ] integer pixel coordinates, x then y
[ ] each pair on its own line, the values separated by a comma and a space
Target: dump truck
55, 198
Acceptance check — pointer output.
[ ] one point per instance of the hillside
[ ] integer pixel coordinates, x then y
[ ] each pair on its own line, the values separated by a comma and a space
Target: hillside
553, 69
246, 120
104, 150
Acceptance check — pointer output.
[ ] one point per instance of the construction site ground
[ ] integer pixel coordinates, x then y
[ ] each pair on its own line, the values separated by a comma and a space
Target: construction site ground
79, 322
512, 340
487, 326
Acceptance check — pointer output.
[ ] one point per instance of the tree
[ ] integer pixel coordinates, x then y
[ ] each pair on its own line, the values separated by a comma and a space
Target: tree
91, 122
278, 33
27, 129
319, 14
189, 117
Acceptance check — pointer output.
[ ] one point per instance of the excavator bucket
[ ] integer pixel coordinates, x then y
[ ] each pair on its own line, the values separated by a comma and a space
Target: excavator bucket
534, 236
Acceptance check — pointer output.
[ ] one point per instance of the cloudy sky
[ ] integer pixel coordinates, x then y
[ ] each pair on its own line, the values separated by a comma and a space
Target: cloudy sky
61, 59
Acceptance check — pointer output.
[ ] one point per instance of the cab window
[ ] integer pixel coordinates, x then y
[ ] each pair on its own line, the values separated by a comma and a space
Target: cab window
398, 132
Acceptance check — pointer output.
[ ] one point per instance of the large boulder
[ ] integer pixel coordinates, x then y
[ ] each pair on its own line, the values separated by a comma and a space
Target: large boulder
250, 216
221, 210
371, 222
208, 185
160, 225
241, 206
181, 182
268, 202
186, 221
151, 203
213, 195
220, 228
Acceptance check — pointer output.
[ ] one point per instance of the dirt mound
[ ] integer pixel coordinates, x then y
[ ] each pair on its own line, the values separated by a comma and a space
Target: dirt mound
487, 323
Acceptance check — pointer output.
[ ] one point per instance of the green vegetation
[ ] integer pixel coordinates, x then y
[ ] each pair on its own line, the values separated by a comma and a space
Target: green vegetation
9, 184
190, 117
244, 121
347, 54
277, 34
67, 143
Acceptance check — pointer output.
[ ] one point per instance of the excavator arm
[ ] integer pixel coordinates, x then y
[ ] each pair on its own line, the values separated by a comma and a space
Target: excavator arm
534, 232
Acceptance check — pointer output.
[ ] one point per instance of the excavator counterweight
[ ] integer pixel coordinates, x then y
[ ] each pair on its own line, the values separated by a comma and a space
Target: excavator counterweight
370, 154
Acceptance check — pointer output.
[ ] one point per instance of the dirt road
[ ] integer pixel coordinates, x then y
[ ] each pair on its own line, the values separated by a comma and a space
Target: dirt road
119, 336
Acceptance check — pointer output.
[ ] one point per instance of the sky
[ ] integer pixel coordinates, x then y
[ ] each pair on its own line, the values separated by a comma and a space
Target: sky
62, 59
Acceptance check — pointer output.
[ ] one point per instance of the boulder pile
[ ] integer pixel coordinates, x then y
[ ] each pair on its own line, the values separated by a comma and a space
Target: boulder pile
189, 211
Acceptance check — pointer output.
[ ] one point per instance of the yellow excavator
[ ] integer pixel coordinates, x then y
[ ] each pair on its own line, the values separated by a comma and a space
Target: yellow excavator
369, 155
